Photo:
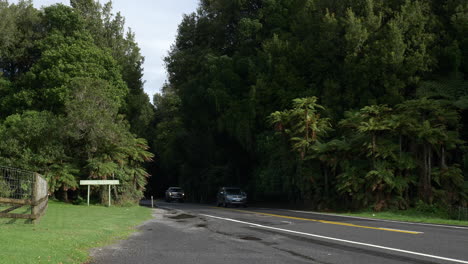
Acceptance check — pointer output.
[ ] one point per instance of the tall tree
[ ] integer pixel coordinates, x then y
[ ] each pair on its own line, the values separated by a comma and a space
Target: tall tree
20, 29
57, 82
102, 140
108, 32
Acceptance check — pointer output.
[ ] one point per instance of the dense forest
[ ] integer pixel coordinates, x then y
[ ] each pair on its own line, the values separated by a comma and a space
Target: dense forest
72, 102
323, 103
329, 104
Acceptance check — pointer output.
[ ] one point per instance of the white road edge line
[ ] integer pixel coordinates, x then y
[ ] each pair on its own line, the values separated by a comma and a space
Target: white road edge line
329, 222
338, 239
376, 219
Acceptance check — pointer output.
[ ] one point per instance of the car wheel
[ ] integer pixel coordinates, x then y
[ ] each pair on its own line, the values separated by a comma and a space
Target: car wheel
244, 205
182, 200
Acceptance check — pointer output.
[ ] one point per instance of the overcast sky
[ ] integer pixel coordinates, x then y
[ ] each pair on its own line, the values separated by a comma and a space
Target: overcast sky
155, 25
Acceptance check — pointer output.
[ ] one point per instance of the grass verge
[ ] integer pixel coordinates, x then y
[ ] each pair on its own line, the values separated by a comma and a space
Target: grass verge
410, 215
67, 232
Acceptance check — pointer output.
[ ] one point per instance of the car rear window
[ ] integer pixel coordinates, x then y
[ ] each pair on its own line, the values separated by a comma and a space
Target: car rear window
233, 191
175, 189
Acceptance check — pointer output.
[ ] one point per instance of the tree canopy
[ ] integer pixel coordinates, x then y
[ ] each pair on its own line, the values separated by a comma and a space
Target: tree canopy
332, 104
73, 105
329, 103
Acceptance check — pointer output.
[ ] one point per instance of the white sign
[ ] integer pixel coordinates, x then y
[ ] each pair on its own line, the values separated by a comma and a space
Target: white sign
99, 182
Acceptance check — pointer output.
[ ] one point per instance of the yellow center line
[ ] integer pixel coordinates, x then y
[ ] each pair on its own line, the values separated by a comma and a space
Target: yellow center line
325, 221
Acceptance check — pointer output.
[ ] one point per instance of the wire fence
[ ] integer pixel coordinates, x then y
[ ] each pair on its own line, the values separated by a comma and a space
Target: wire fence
22, 190
16, 183
459, 213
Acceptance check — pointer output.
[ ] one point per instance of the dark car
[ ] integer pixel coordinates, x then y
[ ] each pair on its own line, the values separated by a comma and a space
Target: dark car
231, 196
175, 194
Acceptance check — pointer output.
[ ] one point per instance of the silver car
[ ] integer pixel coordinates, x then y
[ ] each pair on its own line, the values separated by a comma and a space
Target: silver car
231, 196
175, 193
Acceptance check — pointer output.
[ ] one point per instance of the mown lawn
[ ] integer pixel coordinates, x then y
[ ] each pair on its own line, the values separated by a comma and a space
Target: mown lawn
410, 215
67, 232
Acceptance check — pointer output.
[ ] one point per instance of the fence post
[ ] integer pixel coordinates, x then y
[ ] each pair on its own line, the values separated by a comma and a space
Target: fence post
34, 198
39, 198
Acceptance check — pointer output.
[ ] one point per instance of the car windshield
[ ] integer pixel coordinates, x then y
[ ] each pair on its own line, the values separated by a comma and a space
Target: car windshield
175, 190
233, 191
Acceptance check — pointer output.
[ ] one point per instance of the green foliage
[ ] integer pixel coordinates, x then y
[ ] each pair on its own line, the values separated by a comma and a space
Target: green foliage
68, 85
60, 63
18, 25
449, 185
389, 74
302, 124
62, 176
105, 144
304, 128
23, 143
431, 209
5, 190
402, 148
108, 33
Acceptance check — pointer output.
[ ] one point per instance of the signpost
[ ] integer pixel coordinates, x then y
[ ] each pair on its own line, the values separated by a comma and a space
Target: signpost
100, 182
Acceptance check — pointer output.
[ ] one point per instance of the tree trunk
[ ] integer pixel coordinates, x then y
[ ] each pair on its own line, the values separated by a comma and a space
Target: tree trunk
104, 194
426, 178
64, 194
298, 195
423, 176
115, 192
426, 173
306, 134
401, 145
443, 164
325, 174
373, 150
429, 174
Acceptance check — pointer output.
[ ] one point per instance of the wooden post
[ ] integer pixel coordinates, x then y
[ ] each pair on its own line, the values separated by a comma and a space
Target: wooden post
109, 196
35, 197
38, 201
89, 186
151, 201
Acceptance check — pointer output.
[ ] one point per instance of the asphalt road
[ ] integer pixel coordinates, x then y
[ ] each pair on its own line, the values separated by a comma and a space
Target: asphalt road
193, 233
